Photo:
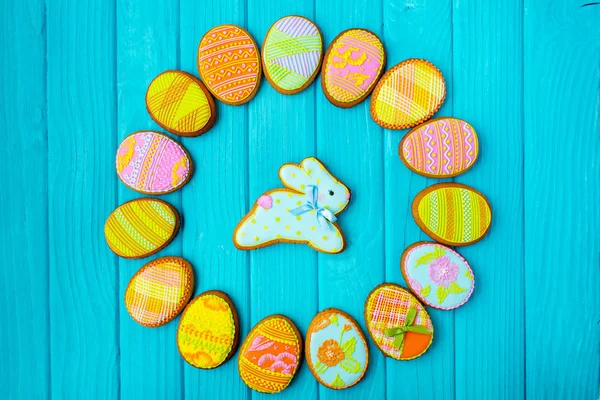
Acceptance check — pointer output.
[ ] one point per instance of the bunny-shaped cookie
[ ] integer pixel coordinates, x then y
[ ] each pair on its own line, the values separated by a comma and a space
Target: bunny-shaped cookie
304, 212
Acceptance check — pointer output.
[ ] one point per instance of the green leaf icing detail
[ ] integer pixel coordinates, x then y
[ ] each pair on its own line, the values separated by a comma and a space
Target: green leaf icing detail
442, 292
454, 288
469, 274
349, 346
334, 319
337, 382
426, 290
350, 365
320, 367
428, 258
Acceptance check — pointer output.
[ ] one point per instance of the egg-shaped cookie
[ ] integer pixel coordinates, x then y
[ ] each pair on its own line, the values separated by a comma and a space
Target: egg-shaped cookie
437, 275
180, 103
397, 322
141, 227
229, 64
152, 163
408, 94
159, 291
270, 355
352, 65
208, 330
440, 148
291, 54
452, 213
336, 349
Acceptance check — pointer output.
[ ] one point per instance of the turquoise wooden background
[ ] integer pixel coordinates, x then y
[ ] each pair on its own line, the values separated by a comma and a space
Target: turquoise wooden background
524, 73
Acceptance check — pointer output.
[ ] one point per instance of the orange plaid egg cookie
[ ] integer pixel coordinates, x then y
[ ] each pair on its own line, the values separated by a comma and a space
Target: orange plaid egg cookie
408, 94
397, 322
159, 291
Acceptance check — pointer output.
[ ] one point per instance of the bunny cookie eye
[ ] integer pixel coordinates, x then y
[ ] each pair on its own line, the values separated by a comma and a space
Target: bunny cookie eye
331, 193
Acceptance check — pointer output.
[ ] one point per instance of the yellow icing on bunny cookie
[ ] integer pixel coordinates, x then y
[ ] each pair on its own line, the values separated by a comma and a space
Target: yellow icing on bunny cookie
306, 211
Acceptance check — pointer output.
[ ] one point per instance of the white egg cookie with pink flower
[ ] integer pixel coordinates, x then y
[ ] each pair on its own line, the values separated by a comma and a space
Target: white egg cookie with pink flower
437, 275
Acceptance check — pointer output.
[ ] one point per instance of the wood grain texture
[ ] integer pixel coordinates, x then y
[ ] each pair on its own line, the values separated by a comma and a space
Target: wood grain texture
562, 199
525, 74
488, 82
416, 30
25, 367
147, 44
82, 185
351, 145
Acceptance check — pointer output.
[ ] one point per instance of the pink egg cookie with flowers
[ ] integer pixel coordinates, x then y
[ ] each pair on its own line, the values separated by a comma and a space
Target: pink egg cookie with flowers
437, 275
152, 163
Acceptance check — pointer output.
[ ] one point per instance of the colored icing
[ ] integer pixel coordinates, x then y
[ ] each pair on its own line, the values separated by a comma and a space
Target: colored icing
270, 356
149, 162
337, 349
438, 275
387, 308
263, 226
353, 64
292, 52
456, 215
442, 148
206, 333
229, 64
140, 227
177, 102
159, 291
407, 94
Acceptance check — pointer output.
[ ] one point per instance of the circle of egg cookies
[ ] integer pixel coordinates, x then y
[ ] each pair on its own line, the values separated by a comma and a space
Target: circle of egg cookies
397, 322
152, 163
229, 64
270, 355
440, 148
208, 330
159, 291
353, 63
141, 227
336, 350
291, 54
437, 275
452, 213
408, 94
180, 103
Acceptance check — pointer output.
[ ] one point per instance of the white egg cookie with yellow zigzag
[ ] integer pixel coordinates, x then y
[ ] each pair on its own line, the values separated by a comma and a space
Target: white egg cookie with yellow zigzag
305, 211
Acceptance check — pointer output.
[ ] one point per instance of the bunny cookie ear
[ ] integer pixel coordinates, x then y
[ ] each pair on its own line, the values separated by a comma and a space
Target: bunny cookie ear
293, 177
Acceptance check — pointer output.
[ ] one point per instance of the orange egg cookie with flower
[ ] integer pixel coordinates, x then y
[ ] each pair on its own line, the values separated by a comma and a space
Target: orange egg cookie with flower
397, 322
336, 349
270, 355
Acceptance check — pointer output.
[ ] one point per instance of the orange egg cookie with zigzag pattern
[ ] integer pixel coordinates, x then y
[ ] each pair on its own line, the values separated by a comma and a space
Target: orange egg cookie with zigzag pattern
229, 64
270, 355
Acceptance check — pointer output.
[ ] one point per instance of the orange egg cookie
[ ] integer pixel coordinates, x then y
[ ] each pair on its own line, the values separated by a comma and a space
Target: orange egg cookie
408, 94
159, 291
180, 103
270, 355
397, 322
229, 64
141, 227
208, 330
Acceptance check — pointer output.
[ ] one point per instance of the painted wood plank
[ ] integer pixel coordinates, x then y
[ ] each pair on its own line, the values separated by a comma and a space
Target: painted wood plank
351, 145
23, 199
215, 199
147, 44
488, 79
416, 30
562, 193
281, 130
81, 194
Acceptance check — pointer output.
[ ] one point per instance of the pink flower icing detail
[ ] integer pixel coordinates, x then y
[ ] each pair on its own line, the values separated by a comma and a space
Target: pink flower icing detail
442, 271
265, 201
283, 363
414, 284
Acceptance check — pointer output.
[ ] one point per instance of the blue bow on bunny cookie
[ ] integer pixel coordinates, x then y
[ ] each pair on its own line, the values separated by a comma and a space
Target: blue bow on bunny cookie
302, 212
